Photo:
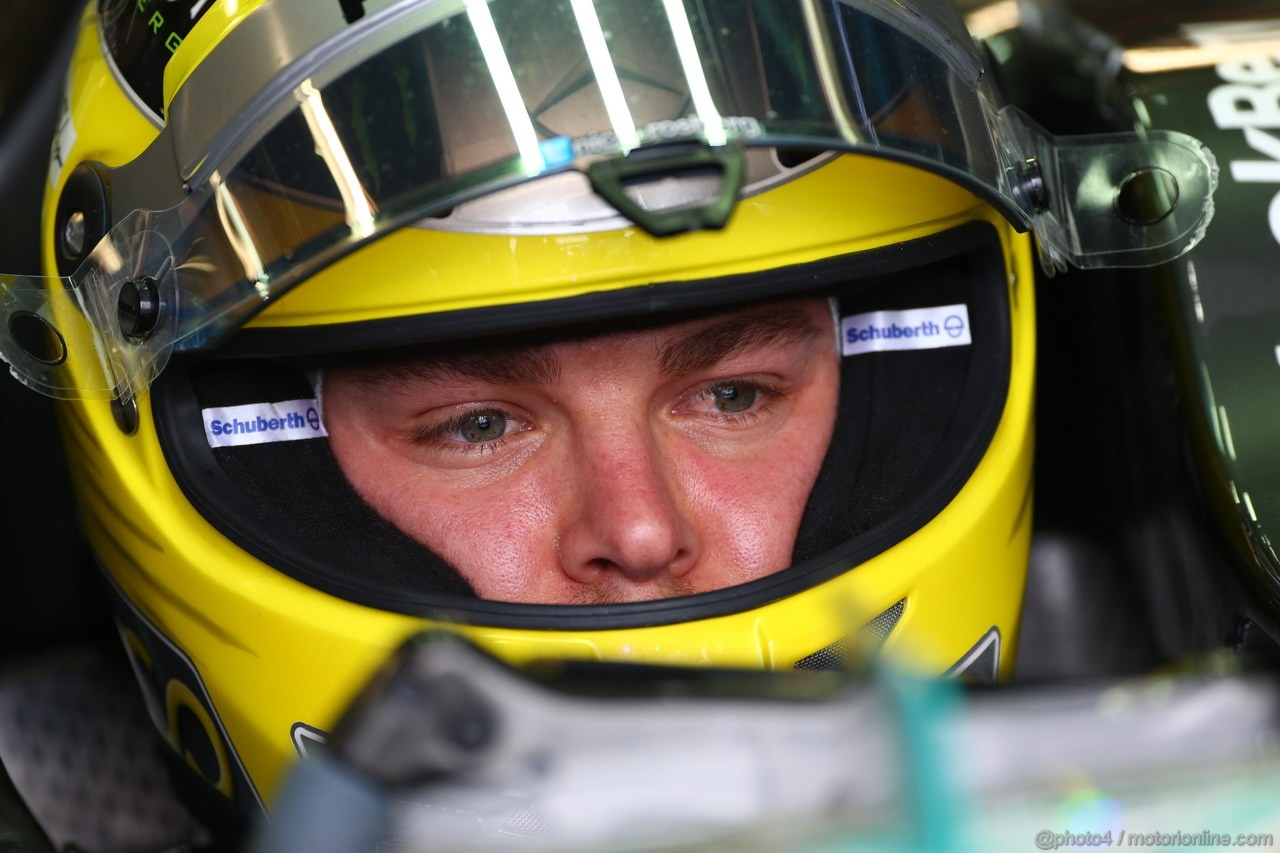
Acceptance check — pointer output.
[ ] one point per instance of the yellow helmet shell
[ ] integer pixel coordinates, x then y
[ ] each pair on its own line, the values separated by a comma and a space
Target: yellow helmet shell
262, 661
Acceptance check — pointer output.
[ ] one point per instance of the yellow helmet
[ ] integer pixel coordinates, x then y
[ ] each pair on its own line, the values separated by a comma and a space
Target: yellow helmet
434, 172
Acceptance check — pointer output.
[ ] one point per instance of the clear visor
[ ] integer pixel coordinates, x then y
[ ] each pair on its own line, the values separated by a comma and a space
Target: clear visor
408, 113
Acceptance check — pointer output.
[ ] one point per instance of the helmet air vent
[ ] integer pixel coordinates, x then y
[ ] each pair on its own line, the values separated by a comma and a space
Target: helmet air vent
846, 652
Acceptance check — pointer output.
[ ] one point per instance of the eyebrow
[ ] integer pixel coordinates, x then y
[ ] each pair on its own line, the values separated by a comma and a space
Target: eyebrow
705, 347
697, 349
497, 366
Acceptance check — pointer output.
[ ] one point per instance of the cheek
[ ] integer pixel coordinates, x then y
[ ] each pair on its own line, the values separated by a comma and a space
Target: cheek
498, 538
495, 533
748, 509
752, 504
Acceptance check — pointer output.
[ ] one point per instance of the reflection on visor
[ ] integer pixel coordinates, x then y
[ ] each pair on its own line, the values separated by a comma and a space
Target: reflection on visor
474, 97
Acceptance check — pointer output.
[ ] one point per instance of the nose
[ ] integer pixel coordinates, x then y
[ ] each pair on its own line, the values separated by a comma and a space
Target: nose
629, 523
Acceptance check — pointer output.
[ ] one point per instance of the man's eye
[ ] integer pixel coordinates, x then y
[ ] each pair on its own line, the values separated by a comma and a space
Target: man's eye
732, 399
481, 427
477, 430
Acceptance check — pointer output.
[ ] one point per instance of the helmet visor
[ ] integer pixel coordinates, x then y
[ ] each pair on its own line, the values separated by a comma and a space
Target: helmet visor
427, 105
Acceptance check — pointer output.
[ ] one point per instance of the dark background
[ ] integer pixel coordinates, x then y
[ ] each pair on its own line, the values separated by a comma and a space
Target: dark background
43, 561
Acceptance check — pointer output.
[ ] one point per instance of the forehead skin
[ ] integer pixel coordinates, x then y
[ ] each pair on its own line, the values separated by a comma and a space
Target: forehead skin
619, 477
680, 348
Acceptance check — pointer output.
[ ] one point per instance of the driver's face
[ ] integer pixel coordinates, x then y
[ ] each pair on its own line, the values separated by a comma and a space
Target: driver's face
627, 466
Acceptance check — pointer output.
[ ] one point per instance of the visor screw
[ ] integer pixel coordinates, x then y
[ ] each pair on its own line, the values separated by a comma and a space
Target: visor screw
1029, 189
138, 307
73, 235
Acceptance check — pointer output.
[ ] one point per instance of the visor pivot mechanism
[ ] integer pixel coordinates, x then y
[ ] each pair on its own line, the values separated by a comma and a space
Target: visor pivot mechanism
125, 414
138, 307
1028, 187
73, 234
82, 217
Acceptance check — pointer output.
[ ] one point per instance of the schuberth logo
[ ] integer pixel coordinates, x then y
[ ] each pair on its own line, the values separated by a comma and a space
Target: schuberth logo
916, 328
260, 423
